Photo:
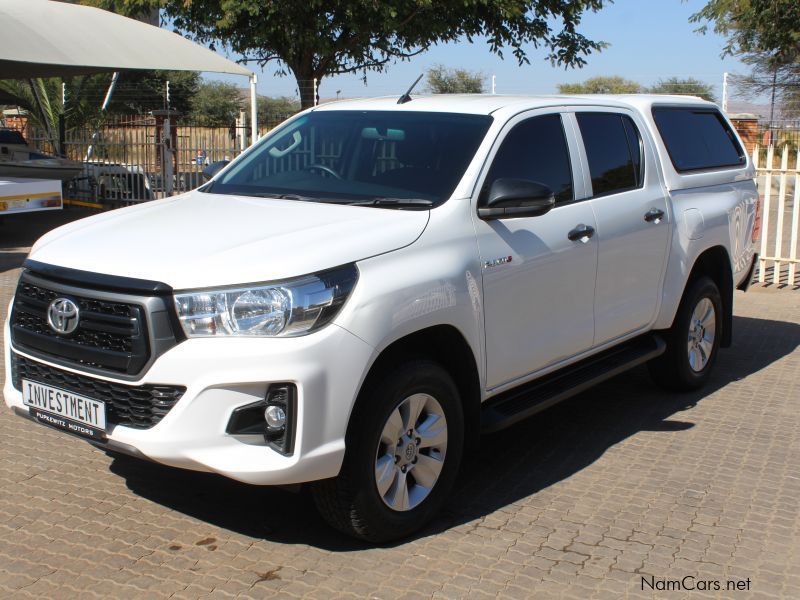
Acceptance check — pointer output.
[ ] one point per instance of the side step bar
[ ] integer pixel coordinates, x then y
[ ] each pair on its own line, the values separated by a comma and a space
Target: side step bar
528, 399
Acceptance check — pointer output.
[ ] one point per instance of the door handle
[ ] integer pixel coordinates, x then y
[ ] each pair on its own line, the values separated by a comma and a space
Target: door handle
654, 215
581, 233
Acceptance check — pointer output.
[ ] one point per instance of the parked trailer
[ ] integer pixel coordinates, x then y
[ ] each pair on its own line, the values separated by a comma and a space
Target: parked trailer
29, 195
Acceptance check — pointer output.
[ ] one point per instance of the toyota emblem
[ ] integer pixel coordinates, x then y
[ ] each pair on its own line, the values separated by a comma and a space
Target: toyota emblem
63, 315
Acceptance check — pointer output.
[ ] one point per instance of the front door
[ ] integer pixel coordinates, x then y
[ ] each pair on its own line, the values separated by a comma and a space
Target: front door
538, 283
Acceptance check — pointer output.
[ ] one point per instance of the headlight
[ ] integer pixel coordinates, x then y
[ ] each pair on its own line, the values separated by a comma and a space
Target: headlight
289, 308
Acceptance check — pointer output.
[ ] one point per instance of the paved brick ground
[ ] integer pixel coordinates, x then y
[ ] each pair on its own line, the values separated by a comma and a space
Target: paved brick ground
584, 501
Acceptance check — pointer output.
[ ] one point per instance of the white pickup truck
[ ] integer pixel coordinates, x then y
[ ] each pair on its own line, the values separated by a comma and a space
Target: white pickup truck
365, 290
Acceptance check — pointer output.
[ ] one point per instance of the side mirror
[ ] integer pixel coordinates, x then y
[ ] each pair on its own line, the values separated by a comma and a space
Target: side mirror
210, 170
510, 198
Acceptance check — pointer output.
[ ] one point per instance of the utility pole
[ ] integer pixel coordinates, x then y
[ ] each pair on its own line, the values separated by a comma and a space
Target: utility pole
725, 92
253, 109
494, 84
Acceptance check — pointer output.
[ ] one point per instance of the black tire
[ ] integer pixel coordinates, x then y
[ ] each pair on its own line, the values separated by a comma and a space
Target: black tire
672, 370
351, 502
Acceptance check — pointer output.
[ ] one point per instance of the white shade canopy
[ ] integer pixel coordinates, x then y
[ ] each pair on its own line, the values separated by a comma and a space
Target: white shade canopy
42, 38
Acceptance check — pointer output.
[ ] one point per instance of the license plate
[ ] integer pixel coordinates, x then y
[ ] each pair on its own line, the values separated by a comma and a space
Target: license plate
62, 409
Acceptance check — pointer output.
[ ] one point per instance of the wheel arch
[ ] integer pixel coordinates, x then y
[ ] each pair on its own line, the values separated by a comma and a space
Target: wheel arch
443, 344
715, 263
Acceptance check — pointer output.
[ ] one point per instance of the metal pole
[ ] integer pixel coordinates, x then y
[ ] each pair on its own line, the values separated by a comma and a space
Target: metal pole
772, 103
166, 156
241, 131
111, 86
725, 92
253, 109
494, 84
315, 91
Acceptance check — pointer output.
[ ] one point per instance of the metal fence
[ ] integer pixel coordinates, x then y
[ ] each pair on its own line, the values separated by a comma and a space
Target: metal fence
138, 158
778, 176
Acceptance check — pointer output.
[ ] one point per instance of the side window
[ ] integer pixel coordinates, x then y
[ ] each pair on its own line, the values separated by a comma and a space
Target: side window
698, 139
536, 150
614, 150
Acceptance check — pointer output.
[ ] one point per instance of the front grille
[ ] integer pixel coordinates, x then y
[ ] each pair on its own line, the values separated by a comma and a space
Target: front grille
110, 335
139, 406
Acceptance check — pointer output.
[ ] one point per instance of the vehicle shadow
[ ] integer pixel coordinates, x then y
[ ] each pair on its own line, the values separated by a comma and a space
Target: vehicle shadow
510, 466
19, 232
10, 260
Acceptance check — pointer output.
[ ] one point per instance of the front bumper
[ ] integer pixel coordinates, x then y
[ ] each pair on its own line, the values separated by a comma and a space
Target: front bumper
221, 375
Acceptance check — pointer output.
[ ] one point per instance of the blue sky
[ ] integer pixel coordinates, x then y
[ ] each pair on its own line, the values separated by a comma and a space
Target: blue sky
649, 39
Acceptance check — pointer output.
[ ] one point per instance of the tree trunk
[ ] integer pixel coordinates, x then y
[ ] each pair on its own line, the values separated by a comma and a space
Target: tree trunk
306, 87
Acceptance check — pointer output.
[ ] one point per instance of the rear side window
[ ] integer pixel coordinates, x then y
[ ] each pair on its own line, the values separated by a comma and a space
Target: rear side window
535, 150
613, 148
698, 139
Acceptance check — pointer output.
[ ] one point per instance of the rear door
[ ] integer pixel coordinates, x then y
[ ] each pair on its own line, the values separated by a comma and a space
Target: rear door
630, 205
538, 283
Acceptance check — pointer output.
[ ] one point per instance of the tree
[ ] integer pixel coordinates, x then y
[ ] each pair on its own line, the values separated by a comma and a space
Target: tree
314, 39
688, 87
216, 104
767, 33
602, 85
139, 92
442, 80
771, 26
779, 80
41, 99
272, 111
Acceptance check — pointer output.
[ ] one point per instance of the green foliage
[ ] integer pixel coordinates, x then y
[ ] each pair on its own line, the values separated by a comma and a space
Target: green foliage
139, 92
602, 85
686, 87
760, 26
442, 80
216, 104
319, 38
767, 33
45, 114
274, 110
136, 93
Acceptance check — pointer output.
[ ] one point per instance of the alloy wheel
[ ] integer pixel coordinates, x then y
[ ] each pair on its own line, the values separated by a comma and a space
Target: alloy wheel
411, 452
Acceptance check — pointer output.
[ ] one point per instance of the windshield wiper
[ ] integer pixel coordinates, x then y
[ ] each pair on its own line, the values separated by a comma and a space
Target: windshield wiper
395, 202
283, 196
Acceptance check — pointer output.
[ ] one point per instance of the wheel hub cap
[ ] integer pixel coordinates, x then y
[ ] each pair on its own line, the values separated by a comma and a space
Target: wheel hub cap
411, 452
702, 328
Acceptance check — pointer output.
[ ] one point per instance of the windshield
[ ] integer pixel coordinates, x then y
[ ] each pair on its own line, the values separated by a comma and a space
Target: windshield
385, 158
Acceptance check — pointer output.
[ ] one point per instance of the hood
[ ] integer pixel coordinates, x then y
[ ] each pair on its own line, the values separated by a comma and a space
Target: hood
202, 240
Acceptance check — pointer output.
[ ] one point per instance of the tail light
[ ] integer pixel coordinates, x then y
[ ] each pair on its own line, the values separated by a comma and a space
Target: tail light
757, 221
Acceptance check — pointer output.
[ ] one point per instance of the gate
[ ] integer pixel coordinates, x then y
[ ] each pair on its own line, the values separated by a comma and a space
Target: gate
144, 157
778, 177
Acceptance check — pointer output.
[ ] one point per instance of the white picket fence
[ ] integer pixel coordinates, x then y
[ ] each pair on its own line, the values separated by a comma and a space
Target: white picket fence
779, 188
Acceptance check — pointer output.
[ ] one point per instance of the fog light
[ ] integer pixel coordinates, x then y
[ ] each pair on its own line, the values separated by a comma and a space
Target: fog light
275, 416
